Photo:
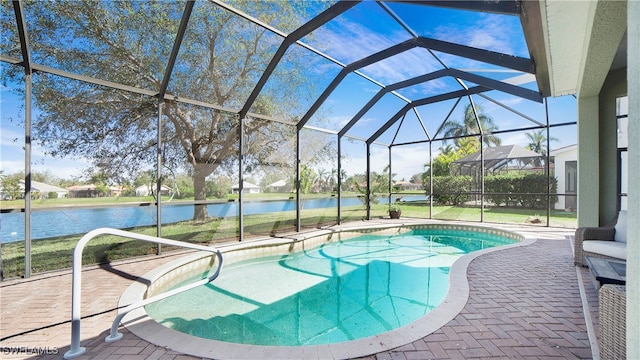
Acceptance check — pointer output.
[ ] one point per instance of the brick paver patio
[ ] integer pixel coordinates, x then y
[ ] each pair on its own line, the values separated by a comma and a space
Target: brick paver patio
524, 303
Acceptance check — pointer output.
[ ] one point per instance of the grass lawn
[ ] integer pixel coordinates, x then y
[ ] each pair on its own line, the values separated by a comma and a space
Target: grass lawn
56, 253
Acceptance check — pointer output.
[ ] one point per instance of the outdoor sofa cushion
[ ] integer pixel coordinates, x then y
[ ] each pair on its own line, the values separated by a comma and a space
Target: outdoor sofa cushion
614, 249
621, 227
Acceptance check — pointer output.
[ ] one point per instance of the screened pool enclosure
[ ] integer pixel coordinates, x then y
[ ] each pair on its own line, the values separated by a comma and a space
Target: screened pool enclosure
259, 118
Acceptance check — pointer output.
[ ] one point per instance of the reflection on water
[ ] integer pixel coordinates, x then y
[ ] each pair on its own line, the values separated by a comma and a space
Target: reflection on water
337, 292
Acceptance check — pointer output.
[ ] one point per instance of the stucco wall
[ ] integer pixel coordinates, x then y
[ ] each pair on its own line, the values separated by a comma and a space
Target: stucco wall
614, 87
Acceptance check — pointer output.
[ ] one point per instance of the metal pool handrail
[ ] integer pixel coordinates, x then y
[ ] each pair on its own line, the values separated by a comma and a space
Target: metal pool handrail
76, 350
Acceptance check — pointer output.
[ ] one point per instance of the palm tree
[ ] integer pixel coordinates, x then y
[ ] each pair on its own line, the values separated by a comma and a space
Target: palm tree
446, 150
538, 144
321, 180
469, 126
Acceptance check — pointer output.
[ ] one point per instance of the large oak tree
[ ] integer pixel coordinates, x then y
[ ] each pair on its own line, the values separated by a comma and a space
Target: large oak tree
220, 60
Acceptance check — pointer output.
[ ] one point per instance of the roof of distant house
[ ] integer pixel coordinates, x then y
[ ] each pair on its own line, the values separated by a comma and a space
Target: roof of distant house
500, 153
278, 183
246, 185
42, 187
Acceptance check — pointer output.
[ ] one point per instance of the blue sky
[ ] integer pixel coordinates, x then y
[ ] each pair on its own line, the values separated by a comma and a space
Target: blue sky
360, 32
12, 134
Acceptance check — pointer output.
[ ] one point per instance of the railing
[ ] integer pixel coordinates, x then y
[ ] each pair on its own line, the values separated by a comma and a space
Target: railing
76, 350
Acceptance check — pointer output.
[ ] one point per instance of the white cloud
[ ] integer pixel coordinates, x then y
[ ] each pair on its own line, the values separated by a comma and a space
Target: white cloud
489, 107
338, 122
484, 31
518, 138
12, 157
351, 41
63, 169
11, 138
406, 162
403, 66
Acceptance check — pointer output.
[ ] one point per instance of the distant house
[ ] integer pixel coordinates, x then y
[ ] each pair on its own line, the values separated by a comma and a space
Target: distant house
566, 171
83, 191
407, 186
115, 191
147, 190
43, 189
247, 188
280, 186
91, 191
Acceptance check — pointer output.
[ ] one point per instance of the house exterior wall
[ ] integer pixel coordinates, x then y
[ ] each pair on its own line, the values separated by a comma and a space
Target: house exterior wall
569, 153
247, 188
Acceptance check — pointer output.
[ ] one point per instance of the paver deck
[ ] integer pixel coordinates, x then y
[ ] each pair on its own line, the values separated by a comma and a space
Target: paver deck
524, 303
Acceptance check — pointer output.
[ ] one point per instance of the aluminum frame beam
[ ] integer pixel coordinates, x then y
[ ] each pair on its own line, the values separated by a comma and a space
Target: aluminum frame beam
135, 90
505, 7
28, 71
386, 53
402, 84
323, 18
422, 102
511, 109
186, 14
24, 38
458, 74
486, 56
498, 85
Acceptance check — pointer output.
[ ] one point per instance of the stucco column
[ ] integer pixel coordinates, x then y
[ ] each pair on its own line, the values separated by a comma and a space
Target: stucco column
614, 86
633, 227
588, 161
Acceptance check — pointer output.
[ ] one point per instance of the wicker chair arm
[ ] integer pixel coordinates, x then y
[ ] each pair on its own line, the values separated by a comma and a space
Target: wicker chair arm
590, 233
597, 233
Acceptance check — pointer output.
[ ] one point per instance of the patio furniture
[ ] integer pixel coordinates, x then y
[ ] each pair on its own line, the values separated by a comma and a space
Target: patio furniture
606, 271
612, 319
608, 241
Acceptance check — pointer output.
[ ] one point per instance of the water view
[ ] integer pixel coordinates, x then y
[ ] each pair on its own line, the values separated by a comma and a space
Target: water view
68, 221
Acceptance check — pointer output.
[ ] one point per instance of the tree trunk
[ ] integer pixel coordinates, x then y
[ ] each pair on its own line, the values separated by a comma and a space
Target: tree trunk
199, 193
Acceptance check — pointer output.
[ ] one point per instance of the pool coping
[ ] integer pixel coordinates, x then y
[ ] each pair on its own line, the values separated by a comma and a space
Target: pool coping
141, 325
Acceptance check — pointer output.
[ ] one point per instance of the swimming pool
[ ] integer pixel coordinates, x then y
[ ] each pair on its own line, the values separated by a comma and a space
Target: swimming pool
336, 289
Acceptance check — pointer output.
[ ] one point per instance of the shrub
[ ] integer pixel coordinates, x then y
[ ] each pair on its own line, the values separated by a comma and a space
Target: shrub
519, 190
512, 190
451, 190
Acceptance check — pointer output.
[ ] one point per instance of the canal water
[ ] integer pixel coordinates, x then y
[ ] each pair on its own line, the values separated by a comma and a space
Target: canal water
68, 220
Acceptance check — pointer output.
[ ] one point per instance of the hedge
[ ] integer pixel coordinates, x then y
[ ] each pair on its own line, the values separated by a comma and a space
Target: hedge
451, 190
513, 190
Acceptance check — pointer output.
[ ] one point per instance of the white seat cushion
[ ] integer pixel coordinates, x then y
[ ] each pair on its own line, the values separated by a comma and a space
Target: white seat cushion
621, 227
614, 249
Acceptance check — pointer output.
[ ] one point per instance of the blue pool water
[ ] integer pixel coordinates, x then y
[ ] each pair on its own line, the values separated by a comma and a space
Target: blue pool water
337, 292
